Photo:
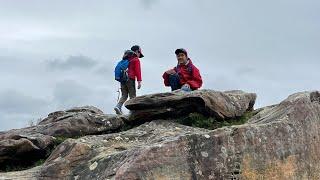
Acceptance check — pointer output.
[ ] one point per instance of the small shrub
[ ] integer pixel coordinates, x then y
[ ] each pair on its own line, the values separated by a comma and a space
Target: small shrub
201, 121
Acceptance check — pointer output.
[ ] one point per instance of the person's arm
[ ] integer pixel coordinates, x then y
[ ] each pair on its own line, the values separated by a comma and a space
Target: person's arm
196, 81
166, 75
137, 70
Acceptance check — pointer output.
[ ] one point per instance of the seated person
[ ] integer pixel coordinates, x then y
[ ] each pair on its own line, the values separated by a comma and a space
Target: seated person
185, 75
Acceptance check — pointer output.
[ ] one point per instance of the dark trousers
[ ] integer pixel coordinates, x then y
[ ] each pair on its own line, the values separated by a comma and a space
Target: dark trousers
128, 89
174, 82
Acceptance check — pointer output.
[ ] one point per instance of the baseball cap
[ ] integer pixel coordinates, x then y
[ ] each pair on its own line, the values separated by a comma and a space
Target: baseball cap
137, 48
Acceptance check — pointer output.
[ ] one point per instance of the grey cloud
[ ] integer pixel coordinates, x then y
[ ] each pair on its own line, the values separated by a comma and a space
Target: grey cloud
246, 70
9, 121
12, 101
17, 109
72, 62
148, 4
105, 71
70, 93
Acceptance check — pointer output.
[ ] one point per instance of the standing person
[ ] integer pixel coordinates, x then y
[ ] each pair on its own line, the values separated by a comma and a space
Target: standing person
128, 88
185, 76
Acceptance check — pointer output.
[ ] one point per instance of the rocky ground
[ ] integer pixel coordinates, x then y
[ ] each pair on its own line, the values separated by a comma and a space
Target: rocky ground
275, 142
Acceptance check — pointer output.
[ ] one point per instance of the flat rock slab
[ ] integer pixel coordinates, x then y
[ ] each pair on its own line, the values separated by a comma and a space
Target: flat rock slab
222, 105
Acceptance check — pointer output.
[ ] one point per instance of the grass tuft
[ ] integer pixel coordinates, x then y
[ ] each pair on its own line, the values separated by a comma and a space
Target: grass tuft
201, 121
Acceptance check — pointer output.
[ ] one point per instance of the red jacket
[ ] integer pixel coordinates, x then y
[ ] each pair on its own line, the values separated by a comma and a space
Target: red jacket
187, 76
134, 69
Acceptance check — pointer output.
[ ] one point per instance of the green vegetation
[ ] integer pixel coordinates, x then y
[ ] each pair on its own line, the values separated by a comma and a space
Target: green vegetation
201, 121
61, 139
126, 127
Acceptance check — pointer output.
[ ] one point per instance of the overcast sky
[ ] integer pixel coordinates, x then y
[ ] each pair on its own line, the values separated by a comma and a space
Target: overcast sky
59, 54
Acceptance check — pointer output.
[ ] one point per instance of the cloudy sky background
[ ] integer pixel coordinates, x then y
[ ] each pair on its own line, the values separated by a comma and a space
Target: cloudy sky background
59, 54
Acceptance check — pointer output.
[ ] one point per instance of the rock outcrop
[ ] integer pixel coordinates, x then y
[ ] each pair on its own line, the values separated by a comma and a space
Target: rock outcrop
26, 146
279, 142
222, 105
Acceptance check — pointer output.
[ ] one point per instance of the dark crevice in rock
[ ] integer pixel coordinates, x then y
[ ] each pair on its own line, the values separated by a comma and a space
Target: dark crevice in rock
179, 113
128, 125
170, 110
26, 160
21, 162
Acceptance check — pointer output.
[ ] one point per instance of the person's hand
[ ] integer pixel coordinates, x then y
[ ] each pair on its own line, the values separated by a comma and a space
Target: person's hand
171, 71
139, 84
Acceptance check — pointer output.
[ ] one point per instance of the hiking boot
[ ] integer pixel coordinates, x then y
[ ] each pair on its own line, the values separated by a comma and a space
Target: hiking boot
118, 110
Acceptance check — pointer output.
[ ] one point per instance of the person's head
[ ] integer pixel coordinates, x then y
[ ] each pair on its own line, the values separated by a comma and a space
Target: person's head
137, 50
182, 56
128, 54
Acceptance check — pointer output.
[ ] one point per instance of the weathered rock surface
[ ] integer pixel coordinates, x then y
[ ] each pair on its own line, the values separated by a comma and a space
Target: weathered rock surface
79, 122
222, 105
103, 156
280, 142
33, 143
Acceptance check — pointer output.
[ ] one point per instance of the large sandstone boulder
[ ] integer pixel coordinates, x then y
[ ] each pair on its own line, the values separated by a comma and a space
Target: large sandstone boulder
280, 142
79, 122
33, 143
222, 105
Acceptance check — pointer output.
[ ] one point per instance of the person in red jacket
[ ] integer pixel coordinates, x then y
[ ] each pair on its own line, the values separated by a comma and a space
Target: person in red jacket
128, 89
186, 76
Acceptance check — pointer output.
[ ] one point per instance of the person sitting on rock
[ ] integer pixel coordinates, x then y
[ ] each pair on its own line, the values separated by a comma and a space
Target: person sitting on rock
185, 75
